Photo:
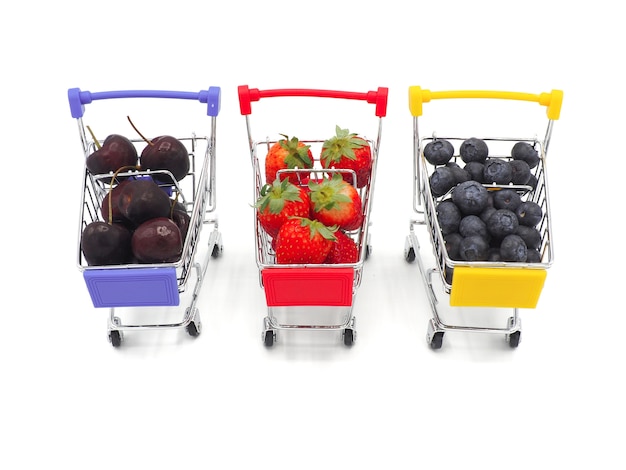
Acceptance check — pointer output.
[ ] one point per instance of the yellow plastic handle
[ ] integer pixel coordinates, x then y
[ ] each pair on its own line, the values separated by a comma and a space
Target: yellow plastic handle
552, 100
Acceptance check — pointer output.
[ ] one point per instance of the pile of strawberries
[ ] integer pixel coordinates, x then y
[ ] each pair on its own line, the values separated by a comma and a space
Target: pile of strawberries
309, 220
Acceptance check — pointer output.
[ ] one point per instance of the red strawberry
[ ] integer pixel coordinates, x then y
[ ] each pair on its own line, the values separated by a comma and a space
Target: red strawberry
344, 250
336, 202
278, 202
303, 241
348, 151
287, 154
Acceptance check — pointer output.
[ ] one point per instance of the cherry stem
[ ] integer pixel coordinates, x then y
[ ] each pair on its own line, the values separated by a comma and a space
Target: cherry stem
93, 136
174, 205
137, 131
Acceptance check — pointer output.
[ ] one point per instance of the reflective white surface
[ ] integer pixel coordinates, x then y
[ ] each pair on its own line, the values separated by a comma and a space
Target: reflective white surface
222, 400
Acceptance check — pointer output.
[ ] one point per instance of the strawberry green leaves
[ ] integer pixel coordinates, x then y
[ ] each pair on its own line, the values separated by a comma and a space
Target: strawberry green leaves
298, 155
278, 202
328, 193
287, 154
273, 196
336, 202
342, 144
348, 151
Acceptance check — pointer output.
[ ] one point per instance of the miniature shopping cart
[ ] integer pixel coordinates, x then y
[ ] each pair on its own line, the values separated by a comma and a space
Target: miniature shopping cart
482, 284
152, 285
326, 289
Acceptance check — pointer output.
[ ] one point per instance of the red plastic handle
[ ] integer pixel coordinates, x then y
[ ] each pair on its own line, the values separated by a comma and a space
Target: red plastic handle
248, 95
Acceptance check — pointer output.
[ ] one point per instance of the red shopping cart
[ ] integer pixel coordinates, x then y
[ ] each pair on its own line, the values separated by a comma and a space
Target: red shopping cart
328, 289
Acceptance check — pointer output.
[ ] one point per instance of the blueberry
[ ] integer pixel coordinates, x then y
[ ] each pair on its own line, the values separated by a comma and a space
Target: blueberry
438, 152
494, 254
452, 242
529, 213
520, 172
441, 181
532, 181
525, 151
460, 174
486, 213
506, 199
489, 199
473, 225
513, 249
471, 197
474, 248
474, 150
448, 216
530, 235
533, 256
502, 222
497, 171
475, 170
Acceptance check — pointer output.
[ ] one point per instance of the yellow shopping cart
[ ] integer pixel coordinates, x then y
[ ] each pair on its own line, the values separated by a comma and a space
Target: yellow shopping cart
487, 281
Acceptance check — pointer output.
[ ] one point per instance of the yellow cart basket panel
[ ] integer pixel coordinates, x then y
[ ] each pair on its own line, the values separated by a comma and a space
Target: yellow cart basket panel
496, 287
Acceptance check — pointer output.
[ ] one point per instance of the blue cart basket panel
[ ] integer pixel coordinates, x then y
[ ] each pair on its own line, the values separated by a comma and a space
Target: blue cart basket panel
132, 287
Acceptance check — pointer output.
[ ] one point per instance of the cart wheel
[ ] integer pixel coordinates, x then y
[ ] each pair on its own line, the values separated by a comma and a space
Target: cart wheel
269, 336
436, 340
348, 336
514, 339
115, 337
409, 254
217, 251
194, 328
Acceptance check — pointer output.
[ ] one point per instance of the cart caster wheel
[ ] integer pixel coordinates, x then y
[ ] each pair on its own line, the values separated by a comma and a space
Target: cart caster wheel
269, 337
436, 340
217, 251
514, 339
349, 336
115, 337
409, 251
194, 328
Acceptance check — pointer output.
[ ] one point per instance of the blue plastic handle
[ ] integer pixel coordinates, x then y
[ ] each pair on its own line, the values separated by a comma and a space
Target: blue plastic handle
78, 99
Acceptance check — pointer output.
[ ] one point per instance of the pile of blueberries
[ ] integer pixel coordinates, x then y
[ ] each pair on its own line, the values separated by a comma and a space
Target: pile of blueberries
481, 213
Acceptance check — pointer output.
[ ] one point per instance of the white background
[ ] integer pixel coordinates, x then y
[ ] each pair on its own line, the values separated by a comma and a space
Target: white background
165, 400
